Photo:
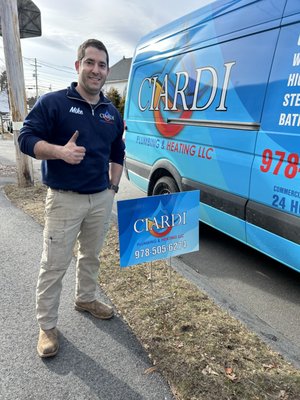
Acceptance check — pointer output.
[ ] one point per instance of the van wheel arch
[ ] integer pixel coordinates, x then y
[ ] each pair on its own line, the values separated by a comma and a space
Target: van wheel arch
165, 185
163, 169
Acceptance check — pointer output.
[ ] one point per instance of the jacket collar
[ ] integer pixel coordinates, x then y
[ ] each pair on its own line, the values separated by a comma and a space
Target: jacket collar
72, 92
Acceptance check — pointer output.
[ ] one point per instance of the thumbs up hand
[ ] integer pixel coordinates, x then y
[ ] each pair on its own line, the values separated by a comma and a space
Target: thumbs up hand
73, 154
74, 137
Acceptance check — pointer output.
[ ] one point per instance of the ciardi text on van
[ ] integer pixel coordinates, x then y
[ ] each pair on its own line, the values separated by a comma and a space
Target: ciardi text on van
160, 91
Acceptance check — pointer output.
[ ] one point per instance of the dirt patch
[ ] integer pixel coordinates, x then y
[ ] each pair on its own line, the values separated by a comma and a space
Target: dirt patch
203, 352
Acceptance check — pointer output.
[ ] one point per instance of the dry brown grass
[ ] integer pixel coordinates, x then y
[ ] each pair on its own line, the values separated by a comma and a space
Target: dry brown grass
202, 351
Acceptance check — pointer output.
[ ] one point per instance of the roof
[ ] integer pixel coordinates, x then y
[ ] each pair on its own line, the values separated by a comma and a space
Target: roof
120, 70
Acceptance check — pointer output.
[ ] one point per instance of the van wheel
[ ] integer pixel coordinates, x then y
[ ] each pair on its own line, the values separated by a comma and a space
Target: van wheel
165, 185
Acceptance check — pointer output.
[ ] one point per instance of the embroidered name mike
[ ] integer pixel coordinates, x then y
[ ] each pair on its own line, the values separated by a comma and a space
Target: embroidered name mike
76, 110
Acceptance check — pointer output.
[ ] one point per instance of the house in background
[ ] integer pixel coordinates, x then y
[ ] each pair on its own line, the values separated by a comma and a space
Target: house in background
118, 76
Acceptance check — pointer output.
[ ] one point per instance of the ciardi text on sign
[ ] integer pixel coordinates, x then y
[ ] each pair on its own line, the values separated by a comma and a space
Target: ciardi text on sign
159, 226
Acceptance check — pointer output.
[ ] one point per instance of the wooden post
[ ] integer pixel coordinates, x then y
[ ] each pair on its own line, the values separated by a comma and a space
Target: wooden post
16, 84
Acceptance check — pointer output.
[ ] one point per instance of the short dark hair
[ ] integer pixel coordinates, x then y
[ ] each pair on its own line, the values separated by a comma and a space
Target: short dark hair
91, 43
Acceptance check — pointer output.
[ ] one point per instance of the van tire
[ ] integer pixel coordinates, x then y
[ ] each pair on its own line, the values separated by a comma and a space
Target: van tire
165, 185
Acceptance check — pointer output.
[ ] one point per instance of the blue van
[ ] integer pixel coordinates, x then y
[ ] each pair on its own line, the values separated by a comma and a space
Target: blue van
213, 103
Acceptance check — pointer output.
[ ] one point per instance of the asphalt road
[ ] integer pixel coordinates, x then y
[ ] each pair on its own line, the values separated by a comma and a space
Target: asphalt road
261, 292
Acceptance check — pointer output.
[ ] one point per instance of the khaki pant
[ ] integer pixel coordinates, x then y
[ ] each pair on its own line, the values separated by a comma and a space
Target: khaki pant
70, 216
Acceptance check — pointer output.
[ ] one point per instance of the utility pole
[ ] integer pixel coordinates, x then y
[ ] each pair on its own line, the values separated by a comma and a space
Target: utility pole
36, 80
35, 75
16, 84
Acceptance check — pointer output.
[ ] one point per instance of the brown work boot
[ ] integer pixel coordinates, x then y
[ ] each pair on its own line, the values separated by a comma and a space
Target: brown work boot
48, 343
96, 308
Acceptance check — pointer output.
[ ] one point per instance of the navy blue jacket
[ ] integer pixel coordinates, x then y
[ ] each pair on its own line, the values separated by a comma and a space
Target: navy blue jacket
54, 118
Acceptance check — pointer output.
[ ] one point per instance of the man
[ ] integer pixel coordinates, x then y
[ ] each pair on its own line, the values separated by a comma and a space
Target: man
77, 133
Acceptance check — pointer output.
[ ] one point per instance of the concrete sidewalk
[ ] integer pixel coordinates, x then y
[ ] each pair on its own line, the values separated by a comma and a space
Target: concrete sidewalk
97, 359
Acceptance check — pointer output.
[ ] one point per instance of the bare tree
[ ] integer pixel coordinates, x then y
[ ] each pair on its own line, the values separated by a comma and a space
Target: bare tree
3, 82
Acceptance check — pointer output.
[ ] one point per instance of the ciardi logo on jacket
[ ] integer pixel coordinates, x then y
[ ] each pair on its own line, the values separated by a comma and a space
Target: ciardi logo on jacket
107, 117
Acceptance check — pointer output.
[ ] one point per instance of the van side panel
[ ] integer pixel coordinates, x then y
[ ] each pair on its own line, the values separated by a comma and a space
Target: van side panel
202, 153
213, 101
275, 180
223, 84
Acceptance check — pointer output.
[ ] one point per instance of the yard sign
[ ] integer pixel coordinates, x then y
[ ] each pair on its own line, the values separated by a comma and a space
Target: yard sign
158, 227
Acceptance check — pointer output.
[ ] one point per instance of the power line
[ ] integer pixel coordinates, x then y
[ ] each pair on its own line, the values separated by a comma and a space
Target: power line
50, 76
60, 68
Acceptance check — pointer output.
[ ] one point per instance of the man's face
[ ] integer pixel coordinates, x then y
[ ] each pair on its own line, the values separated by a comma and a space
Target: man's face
92, 71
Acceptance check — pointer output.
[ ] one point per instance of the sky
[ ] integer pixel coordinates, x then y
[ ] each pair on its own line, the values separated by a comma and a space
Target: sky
67, 23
